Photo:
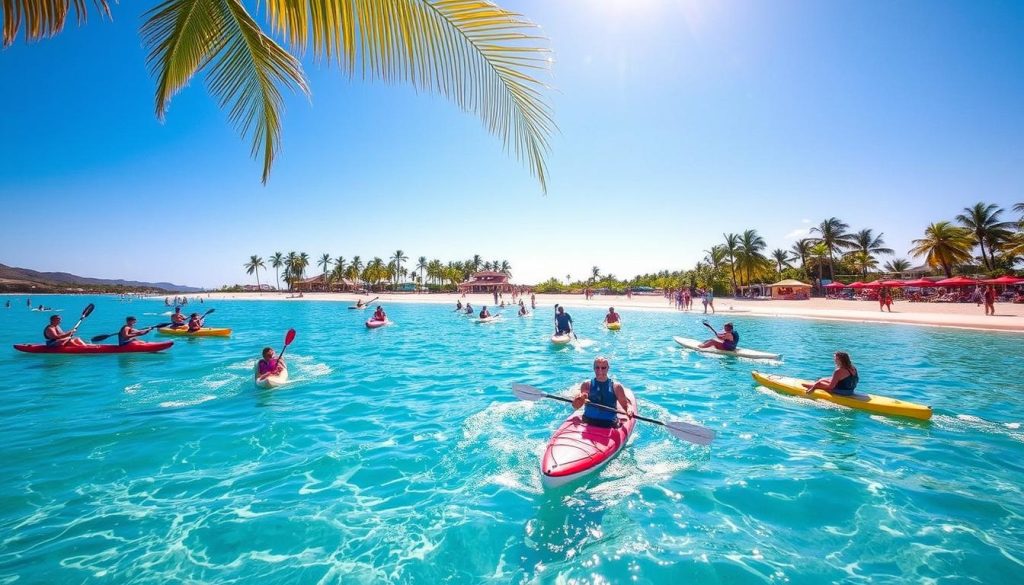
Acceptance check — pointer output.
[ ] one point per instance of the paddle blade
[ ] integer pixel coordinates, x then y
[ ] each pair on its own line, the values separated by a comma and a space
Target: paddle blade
208, 312
88, 310
100, 338
690, 432
161, 325
289, 337
524, 392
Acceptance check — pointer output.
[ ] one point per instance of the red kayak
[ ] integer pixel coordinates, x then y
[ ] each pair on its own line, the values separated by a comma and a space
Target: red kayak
136, 347
373, 324
577, 449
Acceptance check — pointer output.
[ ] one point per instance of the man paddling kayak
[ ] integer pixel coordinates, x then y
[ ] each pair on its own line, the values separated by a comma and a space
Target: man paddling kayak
612, 316
604, 391
843, 381
563, 322
379, 314
177, 319
128, 333
484, 313
56, 337
726, 340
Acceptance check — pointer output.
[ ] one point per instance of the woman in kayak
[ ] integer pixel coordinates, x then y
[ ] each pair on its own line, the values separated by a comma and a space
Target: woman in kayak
843, 381
195, 323
56, 337
177, 319
612, 316
269, 365
604, 391
379, 314
726, 340
128, 333
484, 313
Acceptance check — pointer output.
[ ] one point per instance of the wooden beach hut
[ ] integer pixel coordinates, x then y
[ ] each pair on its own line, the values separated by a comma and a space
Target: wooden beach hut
790, 290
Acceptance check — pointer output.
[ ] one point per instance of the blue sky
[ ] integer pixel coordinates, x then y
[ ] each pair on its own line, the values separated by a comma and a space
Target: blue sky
678, 121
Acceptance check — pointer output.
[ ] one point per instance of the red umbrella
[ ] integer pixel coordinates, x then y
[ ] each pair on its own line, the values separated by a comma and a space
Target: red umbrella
835, 285
957, 281
874, 284
894, 283
1007, 279
919, 282
857, 284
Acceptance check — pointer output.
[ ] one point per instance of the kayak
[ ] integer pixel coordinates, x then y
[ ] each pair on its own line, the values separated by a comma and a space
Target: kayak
868, 402
741, 352
613, 326
270, 381
354, 308
134, 347
204, 332
577, 448
372, 324
561, 339
491, 319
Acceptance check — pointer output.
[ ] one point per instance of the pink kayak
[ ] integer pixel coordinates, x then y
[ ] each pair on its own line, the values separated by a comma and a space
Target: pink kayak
577, 449
136, 347
372, 324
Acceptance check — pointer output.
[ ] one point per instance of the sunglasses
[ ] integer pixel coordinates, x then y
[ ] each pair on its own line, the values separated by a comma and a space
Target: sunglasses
600, 367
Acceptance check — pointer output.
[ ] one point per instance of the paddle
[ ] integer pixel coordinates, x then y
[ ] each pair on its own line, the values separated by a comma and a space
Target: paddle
708, 325
370, 302
288, 339
85, 313
201, 319
100, 338
679, 429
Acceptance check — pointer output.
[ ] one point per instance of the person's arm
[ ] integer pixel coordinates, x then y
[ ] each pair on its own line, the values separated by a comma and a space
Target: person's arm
830, 384
620, 395
581, 398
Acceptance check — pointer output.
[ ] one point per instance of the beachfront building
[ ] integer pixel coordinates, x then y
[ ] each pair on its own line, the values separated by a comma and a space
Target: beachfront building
486, 281
790, 290
318, 284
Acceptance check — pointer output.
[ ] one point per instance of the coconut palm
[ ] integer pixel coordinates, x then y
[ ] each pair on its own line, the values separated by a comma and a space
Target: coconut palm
301, 263
325, 262
421, 265
289, 267
474, 53
819, 251
862, 261
732, 247
781, 258
338, 272
1014, 246
836, 239
595, 274
715, 256
897, 266
802, 249
1019, 208
476, 262
253, 267
983, 221
397, 258
277, 261
750, 255
505, 268
865, 245
944, 245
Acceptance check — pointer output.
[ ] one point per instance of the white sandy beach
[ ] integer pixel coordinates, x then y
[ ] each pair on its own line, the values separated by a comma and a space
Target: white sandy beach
1009, 317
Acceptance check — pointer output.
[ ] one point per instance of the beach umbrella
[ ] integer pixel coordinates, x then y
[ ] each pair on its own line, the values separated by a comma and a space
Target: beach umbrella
920, 282
1004, 280
874, 284
894, 283
857, 284
835, 285
957, 281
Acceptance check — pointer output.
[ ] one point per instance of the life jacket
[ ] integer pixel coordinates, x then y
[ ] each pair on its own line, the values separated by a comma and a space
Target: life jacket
601, 393
267, 366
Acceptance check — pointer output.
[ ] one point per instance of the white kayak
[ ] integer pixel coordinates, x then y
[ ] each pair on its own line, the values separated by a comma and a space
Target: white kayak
561, 339
742, 352
491, 319
270, 381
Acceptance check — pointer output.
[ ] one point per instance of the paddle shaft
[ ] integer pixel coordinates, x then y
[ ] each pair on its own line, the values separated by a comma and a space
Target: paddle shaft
280, 356
99, 338
708, 325
608, 408
85, 313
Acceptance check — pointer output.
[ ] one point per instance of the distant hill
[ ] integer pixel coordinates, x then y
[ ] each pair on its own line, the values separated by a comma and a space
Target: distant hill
23, 279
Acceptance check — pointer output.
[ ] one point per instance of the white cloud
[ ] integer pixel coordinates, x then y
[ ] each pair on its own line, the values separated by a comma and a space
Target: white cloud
805, 221
798, 233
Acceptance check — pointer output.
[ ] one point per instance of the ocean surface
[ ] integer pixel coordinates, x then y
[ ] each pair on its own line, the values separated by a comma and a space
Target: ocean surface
400, 455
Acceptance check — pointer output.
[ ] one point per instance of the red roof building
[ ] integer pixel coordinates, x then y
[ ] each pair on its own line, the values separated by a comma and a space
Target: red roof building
486, 281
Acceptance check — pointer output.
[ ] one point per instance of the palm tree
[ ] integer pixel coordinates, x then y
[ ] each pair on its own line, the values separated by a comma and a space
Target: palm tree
421, 265
732, 247
301, 263
751, 245
289, 268
1014, 246
897, 266
253, 267
819, 251
338, 273
983, 221
277, 261
862, 261
474, 53
595, 274
866, 244
715, 257
1019, 208
398, 257
568, 279
944, 245
325, 263
505, 268
476, 262
802, 249
781, 258
835, 237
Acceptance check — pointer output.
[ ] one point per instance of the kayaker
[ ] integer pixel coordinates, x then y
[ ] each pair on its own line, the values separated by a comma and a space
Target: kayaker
522, 309
359, 303
195, 323
469, 309
612, 316
177, 319
57, 337
458, 305
484, 313
269, 365
379, 314
563, 322
843, 381
128, 333
726, 340
604, 391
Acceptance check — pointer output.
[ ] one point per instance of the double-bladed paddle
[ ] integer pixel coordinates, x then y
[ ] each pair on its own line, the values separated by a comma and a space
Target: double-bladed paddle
682, 430
288, 339
366, 304
708, 325
100, 338
85, 313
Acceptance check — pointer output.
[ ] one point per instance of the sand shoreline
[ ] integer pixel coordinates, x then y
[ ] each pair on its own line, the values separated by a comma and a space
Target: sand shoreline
1009, 317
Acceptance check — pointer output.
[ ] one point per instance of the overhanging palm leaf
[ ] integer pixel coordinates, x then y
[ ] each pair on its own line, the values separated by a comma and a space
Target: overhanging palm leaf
42, 18
471, 51
247, 67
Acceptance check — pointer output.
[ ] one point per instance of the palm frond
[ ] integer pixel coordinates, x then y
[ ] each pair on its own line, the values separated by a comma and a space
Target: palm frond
472, 52
42, 18
247, 68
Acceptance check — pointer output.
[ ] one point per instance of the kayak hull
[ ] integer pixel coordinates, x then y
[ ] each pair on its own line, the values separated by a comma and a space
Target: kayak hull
577, 449
485, 320
270, 381
204, 332
372, 324
561, 339
753, 354
866, 402
613, 326
94, 349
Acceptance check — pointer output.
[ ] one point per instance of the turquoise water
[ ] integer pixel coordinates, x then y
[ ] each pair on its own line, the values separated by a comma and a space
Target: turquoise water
399, 455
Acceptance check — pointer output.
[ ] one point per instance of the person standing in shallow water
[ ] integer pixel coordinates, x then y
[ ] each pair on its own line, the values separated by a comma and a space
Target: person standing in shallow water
990, 300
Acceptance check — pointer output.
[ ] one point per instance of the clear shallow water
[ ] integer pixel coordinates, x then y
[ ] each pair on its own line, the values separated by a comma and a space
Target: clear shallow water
400, 455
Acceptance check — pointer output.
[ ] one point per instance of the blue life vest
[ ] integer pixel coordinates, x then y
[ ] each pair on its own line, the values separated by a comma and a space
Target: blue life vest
601, 393
562, 321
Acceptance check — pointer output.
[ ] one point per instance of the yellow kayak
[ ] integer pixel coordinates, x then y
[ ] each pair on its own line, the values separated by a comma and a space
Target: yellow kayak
613, 326
204, 332
868, 402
